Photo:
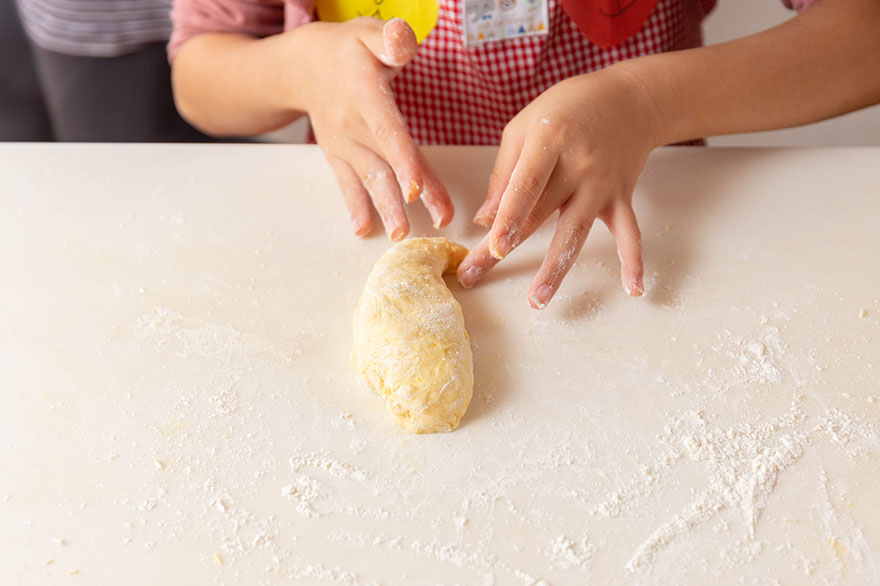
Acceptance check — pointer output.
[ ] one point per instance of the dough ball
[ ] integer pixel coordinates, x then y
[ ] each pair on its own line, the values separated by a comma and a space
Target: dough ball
410, 345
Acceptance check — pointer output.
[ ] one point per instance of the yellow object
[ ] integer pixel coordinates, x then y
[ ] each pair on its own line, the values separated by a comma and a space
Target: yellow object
420, 14
410, 345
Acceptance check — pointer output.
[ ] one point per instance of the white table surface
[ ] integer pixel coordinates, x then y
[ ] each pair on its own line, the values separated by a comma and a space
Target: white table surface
176, 405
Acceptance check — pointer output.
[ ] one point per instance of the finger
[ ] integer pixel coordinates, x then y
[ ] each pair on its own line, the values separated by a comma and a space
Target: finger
378, 179
526, 186
400, 43
575, 219
393, 42
434, 195
390, 135
505, 161
386, 123
480, 259
625, 228
474, 266
356, 197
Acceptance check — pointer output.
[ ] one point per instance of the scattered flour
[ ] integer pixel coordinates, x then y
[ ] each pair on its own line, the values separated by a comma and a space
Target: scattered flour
565, 553
754, 360
742, 465
737, 466
306, 492
206, 339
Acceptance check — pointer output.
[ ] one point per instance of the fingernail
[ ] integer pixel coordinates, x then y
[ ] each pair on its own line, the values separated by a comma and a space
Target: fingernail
500, 247
479, 217
634, 289
356, 226
411, 190
484, 221
639, 288
436, 216
541, 297
470, 277
398, 233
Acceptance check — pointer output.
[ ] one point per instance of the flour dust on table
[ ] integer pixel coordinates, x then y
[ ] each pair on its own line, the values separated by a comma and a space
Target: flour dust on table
461, 517
177, 402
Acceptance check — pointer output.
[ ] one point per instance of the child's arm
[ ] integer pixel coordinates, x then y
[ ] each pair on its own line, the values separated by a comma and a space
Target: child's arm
228, 84
823, 63
581, 146
337, 73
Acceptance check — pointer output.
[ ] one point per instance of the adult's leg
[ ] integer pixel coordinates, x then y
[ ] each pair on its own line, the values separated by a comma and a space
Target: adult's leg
23, 114
113, 99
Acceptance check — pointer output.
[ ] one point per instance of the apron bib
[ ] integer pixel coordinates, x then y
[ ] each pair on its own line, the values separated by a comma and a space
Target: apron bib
455, 92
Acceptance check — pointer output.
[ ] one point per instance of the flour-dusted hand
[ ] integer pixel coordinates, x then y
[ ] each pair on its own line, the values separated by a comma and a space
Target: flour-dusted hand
346, 90
340, 75
579, 148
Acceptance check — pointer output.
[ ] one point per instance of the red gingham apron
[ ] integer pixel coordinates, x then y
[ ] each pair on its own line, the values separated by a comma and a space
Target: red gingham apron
453, 94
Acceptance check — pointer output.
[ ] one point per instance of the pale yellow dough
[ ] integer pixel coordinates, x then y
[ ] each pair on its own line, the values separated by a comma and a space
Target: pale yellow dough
410, 345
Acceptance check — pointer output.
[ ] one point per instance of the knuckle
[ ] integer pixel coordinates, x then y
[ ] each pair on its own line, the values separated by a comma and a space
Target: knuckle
382, 132
581, 165
386, 211
528, 186
371, 181
331, 122
509, 131
350, 46
580, 161
575, 234
533, 219
347, 184
551, 132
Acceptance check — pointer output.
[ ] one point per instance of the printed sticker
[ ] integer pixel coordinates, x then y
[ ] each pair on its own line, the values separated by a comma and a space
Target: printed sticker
495, 20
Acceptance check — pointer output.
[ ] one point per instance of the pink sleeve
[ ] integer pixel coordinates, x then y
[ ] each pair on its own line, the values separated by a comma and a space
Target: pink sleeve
257, 18
799, 4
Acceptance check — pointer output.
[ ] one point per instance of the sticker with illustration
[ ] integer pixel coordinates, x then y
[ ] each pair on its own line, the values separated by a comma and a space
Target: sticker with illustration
495, 20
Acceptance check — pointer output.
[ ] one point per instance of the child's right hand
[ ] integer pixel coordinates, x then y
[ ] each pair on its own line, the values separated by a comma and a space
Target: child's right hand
345, 85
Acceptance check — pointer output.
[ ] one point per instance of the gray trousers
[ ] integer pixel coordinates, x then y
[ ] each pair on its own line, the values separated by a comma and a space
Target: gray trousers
46, 95
23, 114
112, 99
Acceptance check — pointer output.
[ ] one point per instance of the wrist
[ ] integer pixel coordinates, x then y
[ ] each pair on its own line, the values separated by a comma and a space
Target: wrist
294, 52
640, 82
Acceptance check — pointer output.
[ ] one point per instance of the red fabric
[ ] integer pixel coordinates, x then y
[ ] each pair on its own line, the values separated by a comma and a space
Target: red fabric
452, 94
609, 22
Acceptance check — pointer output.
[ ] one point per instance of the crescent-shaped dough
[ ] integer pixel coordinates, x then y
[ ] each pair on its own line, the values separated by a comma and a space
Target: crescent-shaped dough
410, 345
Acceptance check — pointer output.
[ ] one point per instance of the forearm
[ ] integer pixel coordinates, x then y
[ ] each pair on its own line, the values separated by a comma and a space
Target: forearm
228, 84
821, 64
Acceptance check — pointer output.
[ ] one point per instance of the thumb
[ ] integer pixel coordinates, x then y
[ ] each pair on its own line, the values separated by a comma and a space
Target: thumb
397, 44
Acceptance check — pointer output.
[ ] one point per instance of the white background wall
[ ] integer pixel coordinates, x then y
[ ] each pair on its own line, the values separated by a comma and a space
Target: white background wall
737, 18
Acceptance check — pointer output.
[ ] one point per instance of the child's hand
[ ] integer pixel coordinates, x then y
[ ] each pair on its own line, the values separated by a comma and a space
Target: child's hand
348, 97
579, 147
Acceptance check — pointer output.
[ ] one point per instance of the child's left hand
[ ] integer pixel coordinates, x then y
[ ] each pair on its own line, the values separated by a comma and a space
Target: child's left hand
580, 148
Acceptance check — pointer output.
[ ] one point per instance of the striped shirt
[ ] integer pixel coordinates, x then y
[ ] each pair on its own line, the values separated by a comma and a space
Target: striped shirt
95, 28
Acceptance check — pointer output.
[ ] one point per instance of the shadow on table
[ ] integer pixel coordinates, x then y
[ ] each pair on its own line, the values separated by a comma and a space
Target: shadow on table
683, 186
686, 186
488, 335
